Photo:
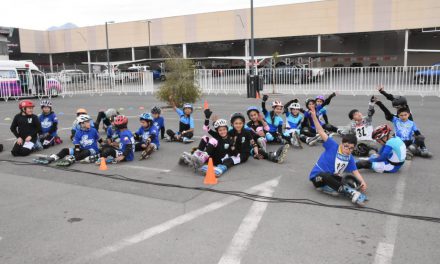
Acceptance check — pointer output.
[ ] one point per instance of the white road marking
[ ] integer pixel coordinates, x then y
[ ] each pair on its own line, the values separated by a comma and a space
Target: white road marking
144, 168
245, 232
180, 220
385, 248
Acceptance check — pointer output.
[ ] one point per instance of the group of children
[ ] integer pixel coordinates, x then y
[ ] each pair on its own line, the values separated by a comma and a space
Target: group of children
40, 132
232, 143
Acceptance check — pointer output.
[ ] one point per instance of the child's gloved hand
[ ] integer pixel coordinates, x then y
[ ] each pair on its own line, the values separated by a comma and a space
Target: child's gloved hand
265, 97
373, 99
208, 113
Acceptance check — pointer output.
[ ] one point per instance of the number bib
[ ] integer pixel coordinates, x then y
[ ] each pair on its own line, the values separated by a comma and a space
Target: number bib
364, 132
341, 163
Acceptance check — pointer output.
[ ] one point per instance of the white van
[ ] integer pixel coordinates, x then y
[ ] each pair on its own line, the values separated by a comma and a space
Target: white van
23, 79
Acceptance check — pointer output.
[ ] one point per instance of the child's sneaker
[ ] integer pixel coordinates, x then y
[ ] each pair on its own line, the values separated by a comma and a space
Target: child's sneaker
425, 153
66, 162
90, 159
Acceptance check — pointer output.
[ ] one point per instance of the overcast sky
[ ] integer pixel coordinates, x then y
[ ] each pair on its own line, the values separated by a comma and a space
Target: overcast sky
34, 14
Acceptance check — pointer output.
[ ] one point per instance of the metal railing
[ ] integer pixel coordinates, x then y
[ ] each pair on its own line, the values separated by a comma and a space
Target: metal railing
28, 84
422, 81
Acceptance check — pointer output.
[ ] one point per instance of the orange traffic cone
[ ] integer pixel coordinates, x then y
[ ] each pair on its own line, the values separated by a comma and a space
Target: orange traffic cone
103, 165
257, 95
210, 178
205, 105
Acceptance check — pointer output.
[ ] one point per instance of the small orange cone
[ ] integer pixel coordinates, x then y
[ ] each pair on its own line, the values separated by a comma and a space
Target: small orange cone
210, 178
257, 95
103, 165
205, 105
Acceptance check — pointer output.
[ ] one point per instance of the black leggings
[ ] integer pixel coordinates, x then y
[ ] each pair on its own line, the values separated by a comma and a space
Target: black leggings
19, 150
102, 117
172, 134
326, 178
82, 154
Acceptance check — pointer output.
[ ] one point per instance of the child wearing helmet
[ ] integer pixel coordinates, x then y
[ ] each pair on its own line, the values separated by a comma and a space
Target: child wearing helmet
147, 136
75, 126
294, 118
49, 125
396, 101
158, 120
186, 124
407, 130
123, 148
258, 125
274, 120
391, 156
308, 132
218, 147
106, 117
85, 143
362, 127
327, 174
25, 126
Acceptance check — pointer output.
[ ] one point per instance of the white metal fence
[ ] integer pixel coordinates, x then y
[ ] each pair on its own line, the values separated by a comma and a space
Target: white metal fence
422, 81
32, 84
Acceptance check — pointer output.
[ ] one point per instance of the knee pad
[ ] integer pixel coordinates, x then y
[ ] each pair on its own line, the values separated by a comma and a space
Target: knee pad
213, 142
419, 140
269, 137
107, 152
170, 133
363, 164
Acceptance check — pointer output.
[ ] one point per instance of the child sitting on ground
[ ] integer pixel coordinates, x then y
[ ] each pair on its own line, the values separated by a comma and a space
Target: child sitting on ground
186, 124
25, 126
49, 125
147, 136
158, 120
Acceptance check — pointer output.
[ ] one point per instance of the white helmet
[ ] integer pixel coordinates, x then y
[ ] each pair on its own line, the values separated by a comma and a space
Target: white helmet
220, 123
276, 103
83, 118
295, 106
111, 112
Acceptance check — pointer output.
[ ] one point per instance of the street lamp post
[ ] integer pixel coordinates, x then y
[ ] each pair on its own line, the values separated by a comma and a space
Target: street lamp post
252, 37
108, 51
149, 39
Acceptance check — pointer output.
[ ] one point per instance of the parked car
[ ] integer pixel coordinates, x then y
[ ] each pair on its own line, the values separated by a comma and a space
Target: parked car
357, 65
72, 76
316, 73
286, 75
22, 78
428, 75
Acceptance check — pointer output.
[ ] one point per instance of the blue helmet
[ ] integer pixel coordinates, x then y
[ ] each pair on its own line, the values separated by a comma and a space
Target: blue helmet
252, 108
187, 105
146, 117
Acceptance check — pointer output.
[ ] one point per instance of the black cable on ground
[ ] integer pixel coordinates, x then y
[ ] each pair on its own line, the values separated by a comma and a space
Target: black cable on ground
244, 195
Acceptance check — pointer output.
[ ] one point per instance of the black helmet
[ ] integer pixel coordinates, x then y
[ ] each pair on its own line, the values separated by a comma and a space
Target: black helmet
399, 101
351, 113
237, 115
156, 110
351, 181
309, 100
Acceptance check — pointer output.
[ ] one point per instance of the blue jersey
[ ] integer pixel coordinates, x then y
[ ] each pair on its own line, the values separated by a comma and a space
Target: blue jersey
150, 132
87, 139
273, 123
394, 151
333, 161
404, 130
320, 112
126, 138
48, 122
308, 116
111, 133
293, 122
185, 122
159, 122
